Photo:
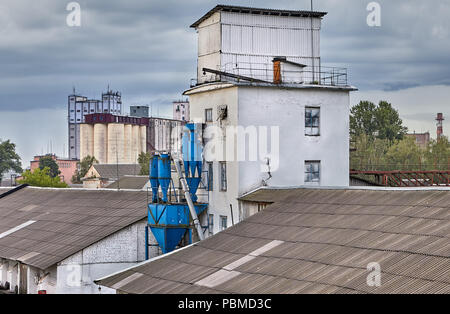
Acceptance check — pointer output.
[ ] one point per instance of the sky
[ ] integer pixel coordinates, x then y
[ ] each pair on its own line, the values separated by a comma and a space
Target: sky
146, 50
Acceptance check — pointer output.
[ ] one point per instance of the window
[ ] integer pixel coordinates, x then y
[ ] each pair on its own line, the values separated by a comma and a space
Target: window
208, 115
210, 176
312, 171
211, 224
312, 121
223, 222
223, 176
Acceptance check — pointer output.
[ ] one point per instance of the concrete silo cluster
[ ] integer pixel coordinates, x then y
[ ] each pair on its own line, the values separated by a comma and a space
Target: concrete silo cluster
113, 142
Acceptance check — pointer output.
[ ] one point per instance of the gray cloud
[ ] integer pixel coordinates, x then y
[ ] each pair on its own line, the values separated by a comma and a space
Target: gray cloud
146, 49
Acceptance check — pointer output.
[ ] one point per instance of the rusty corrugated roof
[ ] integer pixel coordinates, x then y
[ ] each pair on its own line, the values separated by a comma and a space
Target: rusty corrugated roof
313, 241
64, 221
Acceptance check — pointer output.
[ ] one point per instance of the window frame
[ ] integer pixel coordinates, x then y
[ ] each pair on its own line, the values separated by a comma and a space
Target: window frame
211, 224
221, 225
308, 164
223, 176
309, 127
207, 110
210, 176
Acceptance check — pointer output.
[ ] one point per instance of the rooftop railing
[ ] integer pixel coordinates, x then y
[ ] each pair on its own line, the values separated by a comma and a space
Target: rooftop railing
264, 73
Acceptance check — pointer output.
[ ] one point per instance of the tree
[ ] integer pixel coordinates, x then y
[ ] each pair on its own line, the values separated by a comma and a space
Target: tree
380, 121
369, 154
9, 159
83, 168
362, 119
438, 154
144, 162
388, 122
42, 178
50, 163
404, 155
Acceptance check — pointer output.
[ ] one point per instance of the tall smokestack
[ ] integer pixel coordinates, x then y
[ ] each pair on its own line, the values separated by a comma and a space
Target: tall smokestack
440, 129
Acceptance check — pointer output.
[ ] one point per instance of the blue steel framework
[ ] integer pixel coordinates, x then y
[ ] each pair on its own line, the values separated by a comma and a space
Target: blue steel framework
168, 215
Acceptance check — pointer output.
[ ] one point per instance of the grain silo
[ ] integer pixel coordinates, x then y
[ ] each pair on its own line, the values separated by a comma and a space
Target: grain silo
101, 142
127, 143
143, 138
134, 143
86, 140
115, 143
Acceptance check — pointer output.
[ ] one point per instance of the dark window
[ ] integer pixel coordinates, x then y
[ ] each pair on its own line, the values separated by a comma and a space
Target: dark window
208, 115
312, 171
210, 176
312, 121
223, 176
211, 224
223, 222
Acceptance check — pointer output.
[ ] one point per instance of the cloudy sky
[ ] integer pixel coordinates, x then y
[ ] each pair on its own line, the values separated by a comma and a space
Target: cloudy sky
146, 50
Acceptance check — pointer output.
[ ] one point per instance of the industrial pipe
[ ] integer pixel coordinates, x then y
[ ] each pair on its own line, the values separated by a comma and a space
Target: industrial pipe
187, 195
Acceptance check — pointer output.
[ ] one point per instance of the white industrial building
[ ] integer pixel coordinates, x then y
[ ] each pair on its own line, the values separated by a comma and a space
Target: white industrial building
260, 70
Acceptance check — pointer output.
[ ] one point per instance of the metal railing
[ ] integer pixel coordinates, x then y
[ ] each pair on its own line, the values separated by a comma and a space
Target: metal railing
244, 72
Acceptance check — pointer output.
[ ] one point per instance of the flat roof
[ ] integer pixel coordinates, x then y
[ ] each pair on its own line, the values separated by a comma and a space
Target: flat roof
313, 241
259, 11
206, 87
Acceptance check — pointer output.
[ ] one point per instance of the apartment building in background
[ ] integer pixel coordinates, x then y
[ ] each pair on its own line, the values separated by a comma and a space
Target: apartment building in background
181, 110
80, 106
67, 166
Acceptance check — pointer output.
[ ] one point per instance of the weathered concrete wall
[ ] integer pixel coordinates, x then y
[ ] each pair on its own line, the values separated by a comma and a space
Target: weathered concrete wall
219, 201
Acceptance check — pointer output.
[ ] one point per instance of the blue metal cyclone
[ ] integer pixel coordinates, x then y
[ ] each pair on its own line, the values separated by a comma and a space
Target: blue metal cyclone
169, 222
192, 157
164, 175
154, 181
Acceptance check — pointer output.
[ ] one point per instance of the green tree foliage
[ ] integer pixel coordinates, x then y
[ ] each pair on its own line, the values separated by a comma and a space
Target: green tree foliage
9, 159
144, 162
83, 168
42, 178
438, 154
369, 154
384, 155
404, 155
50, 163
382, 121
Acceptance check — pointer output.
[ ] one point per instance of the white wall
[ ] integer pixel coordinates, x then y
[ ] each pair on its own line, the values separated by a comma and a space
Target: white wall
121, 250
285, 108
238, 42
219, 201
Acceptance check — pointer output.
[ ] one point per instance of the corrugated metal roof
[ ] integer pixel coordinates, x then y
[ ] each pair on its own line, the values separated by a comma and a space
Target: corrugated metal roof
66, 221
110, 171
249, 10
325, 241
130, 183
